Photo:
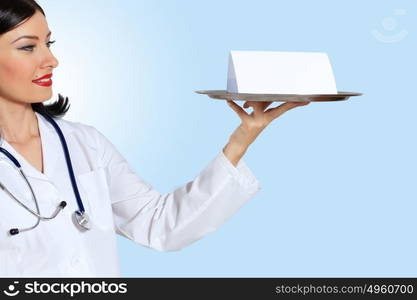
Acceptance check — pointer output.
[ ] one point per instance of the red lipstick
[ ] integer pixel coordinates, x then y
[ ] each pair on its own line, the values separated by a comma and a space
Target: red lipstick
44, 80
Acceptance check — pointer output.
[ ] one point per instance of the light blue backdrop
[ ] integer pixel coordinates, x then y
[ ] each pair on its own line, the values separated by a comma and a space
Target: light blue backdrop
338, 179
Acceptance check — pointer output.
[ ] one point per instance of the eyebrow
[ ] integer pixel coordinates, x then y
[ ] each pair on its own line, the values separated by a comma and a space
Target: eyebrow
34, 37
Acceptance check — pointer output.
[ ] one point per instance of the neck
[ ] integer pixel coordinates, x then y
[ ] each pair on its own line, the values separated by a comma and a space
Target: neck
18, 123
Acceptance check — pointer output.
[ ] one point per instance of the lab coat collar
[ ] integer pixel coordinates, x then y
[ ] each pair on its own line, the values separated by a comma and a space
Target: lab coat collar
51, 151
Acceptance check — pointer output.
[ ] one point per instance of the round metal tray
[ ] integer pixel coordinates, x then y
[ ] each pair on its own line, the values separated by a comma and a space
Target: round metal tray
225, 95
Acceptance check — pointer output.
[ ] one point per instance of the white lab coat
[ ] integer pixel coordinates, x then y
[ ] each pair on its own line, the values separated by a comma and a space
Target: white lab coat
117, 200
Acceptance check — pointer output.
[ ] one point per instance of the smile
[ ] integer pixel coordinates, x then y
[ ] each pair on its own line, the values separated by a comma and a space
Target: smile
44, 82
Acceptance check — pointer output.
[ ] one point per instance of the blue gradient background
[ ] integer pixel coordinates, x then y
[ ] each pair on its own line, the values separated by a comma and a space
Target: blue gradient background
338, 179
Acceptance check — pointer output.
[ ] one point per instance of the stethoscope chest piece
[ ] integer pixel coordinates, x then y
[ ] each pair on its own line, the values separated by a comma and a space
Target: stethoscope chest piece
81, 220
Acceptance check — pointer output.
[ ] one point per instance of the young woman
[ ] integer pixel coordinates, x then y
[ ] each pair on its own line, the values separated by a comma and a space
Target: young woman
65, 190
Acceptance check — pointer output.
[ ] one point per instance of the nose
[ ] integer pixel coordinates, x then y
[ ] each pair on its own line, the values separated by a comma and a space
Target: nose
49, 60
53, 61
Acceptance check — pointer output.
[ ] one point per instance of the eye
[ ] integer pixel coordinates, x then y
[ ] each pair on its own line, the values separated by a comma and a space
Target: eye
30, 47
27, 48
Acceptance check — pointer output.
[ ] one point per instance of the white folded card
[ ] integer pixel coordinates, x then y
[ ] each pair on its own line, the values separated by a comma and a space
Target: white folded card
276, 72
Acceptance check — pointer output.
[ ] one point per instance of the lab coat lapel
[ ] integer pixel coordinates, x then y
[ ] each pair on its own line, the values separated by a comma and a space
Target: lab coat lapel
51, 148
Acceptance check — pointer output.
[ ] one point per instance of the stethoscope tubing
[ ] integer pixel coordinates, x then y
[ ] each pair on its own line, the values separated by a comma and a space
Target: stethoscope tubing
80, 215
36, 214
69, 164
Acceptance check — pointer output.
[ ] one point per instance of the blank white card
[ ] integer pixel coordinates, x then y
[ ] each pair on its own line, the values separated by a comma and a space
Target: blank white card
277, 72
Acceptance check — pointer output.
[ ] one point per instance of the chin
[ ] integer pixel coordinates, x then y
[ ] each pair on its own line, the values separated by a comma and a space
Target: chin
43, 98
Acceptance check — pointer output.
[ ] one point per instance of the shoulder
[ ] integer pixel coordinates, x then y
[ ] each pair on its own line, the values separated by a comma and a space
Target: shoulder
74, 126
93, 143
86, 138
86, 133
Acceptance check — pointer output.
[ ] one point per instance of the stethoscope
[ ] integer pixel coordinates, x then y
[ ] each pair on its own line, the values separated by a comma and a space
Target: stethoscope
80, 217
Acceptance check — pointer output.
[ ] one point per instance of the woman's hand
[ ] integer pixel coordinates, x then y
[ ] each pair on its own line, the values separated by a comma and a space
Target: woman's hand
252, 125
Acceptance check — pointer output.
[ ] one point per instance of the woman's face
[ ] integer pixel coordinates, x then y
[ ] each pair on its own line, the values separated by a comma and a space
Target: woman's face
25, 60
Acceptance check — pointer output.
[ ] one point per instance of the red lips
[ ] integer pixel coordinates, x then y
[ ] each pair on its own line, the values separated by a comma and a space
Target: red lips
47, 76
46, 83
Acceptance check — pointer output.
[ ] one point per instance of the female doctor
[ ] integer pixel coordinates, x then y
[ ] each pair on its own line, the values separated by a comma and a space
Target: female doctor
65, 190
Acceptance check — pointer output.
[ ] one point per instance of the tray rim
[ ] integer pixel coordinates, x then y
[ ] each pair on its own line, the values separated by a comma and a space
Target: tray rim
226, 93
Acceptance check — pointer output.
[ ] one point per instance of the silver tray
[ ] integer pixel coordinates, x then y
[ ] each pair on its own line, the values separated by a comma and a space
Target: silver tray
225, 95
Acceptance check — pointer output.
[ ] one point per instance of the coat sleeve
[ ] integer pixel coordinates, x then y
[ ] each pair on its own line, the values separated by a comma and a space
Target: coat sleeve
170, 222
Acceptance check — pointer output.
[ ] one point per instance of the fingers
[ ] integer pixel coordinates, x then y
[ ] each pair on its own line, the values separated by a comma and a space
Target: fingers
275, 112
301, 103
240, 111
258, 106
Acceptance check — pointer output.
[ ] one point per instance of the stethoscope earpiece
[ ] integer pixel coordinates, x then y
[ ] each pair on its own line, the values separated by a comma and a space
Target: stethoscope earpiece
14, 231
